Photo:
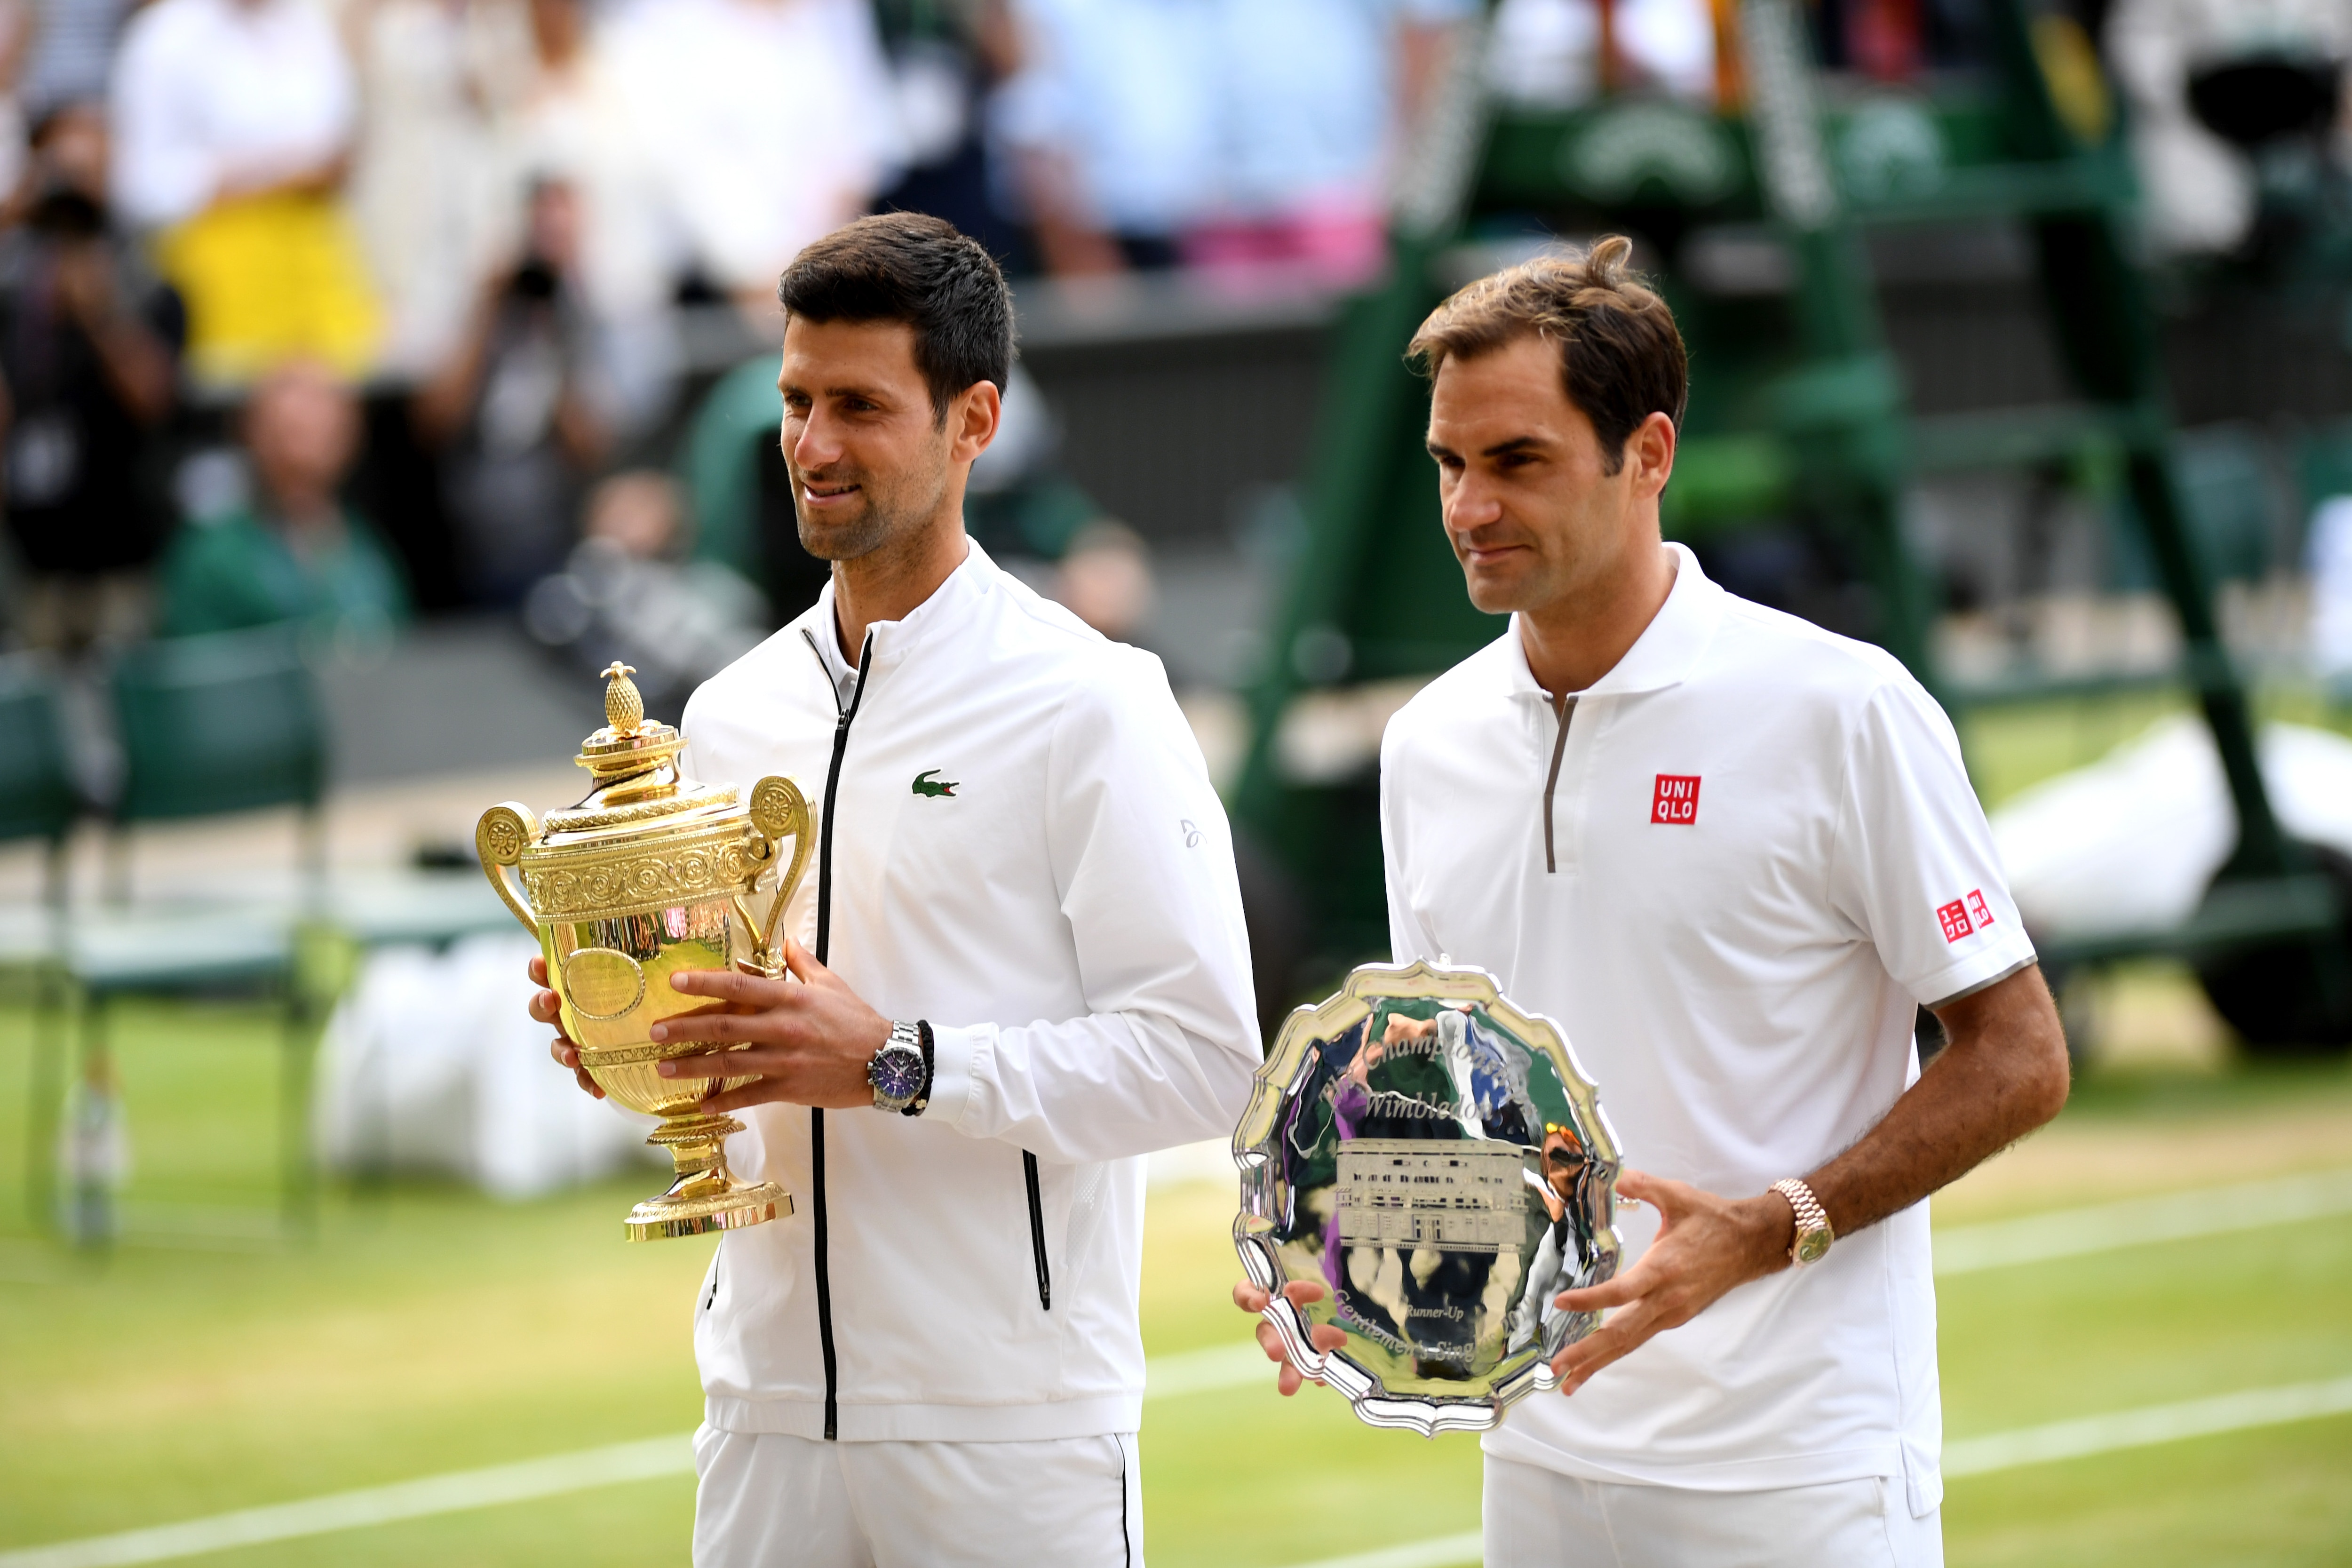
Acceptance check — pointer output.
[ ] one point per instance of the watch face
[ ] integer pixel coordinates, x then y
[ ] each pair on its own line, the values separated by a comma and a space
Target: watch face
1812, 1246
896, 1072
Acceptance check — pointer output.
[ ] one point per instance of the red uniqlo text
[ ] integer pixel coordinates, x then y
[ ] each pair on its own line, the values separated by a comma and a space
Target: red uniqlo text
1676, 800
1954, 918
1978, 911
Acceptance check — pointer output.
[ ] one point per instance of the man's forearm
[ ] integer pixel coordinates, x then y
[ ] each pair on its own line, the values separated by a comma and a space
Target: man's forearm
2002, 1074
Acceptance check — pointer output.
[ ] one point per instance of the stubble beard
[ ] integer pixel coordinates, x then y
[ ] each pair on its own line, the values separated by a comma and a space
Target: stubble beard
882, 519
1501, 593
849, 538
849, 541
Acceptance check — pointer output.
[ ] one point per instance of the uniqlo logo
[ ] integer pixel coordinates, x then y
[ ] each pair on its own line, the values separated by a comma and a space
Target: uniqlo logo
1954, 918
1977, 911
1676, 800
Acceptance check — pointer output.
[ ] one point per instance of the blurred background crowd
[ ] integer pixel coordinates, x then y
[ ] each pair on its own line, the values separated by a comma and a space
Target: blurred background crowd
349, 312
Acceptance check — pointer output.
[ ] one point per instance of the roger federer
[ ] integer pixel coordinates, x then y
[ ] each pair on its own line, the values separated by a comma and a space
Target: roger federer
1731, 854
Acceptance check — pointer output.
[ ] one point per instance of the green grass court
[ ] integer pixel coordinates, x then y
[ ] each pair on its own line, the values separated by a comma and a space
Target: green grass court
429, 1329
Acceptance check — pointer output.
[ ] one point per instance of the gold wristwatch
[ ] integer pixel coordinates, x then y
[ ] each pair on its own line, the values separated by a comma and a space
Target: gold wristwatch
1814, 1233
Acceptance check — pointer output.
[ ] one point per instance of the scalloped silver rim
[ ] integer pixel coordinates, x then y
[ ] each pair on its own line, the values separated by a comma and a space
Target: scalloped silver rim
1278, 1075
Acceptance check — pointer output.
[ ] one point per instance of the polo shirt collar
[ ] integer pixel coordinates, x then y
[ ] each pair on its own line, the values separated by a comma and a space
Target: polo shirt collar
1665, 653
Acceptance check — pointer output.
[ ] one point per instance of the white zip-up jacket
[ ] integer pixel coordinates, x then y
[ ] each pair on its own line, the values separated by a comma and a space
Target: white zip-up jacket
1018, 843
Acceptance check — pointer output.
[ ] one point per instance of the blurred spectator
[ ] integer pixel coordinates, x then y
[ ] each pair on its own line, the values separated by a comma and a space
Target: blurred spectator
2201, 191
2328, 554
1317, 98
1105, 580
423, 181
769, 123
89, 339
297, 554
1109, 128
946, 57
19, 29
625, 594
518, 408
558, 110
233, 121
70, 52
1551, 54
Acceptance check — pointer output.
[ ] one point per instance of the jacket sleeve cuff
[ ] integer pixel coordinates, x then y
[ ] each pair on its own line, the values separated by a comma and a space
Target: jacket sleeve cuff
955, 1063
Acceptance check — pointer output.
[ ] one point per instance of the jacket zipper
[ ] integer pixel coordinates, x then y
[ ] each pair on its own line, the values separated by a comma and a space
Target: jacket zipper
823, 955
1037, 1231
1567, 711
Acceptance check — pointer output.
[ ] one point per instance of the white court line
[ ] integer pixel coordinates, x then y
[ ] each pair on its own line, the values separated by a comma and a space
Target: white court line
2000, 1451
2138, 1221
1965, 1250
2147, 1426
1202, 1372
661, 1457
1189, 1372
1445, 1552
551, 1476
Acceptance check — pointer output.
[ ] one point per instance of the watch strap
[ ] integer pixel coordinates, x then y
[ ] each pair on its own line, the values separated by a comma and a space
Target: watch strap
1814, 1233
922, 1101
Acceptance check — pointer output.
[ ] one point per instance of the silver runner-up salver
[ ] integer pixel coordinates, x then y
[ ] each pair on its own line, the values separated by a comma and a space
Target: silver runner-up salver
1438, 1161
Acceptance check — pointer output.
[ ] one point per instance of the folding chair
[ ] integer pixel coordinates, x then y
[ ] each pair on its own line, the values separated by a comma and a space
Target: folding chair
212, 726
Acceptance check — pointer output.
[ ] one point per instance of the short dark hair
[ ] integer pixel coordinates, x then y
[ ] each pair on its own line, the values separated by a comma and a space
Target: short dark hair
923, 271
1621, 355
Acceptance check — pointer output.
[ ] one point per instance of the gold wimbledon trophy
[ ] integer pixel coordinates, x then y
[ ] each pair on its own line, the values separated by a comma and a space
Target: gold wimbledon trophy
647, 876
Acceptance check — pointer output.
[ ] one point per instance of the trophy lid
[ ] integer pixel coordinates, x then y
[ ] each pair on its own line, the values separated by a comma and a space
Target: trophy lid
634, 762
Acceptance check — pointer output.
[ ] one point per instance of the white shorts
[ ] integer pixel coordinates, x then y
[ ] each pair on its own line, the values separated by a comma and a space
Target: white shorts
767, 1501
1538, 1517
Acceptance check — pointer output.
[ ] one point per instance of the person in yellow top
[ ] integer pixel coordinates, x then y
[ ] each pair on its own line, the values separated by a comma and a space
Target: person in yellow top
296, 555
233, 127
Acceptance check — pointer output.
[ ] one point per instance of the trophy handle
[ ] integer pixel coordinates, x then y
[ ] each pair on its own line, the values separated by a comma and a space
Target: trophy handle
780, 811
499, 839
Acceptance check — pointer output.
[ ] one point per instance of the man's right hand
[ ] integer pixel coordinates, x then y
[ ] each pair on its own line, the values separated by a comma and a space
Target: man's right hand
546, 1008
1322, 1336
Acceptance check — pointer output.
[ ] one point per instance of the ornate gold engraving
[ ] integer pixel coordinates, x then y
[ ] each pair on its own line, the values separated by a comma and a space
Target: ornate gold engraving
600, 881
582, 819
503, 833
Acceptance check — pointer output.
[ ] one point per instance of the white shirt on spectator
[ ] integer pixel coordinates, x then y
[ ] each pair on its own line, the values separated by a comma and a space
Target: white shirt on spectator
1764, 855
1126, 92
424, 189
572, 120
208, 92
768, 122
1546, 53
1308, 94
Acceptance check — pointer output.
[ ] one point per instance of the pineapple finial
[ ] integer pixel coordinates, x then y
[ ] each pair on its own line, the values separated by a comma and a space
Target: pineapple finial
625, 710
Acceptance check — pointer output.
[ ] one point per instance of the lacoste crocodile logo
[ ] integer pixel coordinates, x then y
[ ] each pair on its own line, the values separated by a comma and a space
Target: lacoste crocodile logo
934, 788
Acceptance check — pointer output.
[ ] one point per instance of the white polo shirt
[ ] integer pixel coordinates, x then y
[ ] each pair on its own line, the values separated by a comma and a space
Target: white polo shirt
1763, 852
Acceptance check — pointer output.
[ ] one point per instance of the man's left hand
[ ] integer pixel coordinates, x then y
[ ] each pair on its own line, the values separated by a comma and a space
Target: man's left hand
1706, 1247
809, 1042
